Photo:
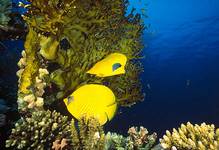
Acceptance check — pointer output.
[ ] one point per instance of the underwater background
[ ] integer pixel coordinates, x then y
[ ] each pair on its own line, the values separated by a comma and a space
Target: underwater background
181, 75
181, 66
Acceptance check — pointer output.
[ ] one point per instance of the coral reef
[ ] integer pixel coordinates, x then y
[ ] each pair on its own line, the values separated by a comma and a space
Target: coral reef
140, 139
137, 140
51, 130
5, 10
39, 131
192, 137
65, 39
69, 37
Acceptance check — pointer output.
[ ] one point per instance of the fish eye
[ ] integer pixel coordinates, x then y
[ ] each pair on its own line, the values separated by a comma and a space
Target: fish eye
116, 66
70, 99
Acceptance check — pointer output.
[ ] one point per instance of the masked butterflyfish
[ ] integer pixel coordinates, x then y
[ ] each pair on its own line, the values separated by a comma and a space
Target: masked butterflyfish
112, 64
92, 100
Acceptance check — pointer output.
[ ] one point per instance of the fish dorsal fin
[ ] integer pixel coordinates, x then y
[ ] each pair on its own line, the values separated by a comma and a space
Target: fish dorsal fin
116, 66
70, 99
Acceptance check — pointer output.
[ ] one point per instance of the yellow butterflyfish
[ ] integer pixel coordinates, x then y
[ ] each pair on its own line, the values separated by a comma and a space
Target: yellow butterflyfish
111, 65
92, 100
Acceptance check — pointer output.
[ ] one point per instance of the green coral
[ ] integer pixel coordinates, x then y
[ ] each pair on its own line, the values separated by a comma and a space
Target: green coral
192, 137
137, 140
5, 10
39, 131
114, 141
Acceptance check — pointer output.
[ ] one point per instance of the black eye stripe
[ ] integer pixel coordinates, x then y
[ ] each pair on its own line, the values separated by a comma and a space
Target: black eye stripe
70, 99
116, 66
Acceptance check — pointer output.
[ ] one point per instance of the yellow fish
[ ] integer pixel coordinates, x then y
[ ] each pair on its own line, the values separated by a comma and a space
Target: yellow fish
92, 100
113, 64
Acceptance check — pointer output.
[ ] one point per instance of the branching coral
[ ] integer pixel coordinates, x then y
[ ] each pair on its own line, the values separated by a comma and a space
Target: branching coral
114, 141
128, 93
5, 10
140, 139
59, 144
192, 137
51, 130
137, 140
39, 131
90, 135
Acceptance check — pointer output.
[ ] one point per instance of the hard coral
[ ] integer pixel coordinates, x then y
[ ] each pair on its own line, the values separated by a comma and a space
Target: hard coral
59, 145
192, 137
140, 139
39, 131
90, 135
137, 140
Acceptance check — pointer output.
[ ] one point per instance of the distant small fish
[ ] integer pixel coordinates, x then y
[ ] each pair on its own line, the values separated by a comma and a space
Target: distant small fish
188, 83
148, 86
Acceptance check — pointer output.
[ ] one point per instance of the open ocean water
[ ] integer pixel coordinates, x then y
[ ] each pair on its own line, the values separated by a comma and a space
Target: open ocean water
181, 66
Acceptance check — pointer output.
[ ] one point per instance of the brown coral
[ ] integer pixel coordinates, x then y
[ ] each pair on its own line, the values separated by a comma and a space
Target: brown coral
59, 145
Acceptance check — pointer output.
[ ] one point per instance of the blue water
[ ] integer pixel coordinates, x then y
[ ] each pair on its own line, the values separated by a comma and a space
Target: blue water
181, 77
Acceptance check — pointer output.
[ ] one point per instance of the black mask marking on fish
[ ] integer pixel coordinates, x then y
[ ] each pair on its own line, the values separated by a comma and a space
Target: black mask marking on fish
116, 66
70, 99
